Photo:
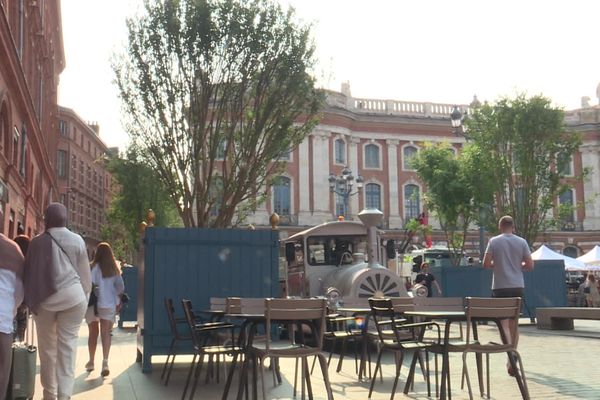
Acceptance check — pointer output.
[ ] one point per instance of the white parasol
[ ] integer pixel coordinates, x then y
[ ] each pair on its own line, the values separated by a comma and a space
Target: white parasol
571, 264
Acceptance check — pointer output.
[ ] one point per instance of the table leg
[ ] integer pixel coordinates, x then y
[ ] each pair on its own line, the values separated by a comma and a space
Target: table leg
411, 372
445, 364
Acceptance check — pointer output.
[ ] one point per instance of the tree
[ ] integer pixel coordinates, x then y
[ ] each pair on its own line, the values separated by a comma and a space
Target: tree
216, 93
140, 189
526, 150
455, 194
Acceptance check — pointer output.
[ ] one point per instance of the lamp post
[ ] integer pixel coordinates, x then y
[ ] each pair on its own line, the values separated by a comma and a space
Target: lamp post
456, 119
342, 186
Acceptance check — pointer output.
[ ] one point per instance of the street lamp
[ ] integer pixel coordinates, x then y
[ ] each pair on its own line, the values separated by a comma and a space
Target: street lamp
342, 186
456, 119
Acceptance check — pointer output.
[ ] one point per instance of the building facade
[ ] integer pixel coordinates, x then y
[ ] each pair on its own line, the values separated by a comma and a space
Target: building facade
31, 60
376, 140
85, 187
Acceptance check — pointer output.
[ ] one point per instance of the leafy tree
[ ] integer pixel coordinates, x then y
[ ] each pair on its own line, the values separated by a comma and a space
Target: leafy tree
526, 149
454, 193
140, 189
216, 92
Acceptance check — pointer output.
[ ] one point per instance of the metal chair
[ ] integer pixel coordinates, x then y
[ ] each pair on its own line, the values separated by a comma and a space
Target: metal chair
396, 334
495, 309
310, 314
177, 337
201, 335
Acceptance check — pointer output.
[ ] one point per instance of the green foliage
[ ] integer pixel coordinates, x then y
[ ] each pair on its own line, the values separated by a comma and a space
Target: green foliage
217, 90
453, 192
140, 189
525, 148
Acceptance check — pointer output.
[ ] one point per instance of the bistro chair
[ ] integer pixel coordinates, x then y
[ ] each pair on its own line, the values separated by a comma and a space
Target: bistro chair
340, 329
310, 315
398, 335
495, 309
201, 335
177, 337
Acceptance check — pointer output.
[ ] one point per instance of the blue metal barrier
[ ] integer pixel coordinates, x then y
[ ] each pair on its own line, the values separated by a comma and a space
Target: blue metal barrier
545, 286
129, 310
198, 264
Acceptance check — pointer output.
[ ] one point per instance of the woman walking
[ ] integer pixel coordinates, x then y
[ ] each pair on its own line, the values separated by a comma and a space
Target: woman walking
11, 295
106, 276
57, 284
592, 295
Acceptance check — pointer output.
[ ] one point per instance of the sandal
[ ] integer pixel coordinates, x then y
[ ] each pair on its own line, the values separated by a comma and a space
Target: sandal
105, 370
89, 367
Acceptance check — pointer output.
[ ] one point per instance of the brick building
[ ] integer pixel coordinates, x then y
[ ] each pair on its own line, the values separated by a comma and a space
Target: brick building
376, 138
84, 185
31, 60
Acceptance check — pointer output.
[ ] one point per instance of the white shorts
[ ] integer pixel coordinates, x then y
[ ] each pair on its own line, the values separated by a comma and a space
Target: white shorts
107, 314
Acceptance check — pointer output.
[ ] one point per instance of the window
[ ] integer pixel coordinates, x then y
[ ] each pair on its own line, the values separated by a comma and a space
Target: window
373, 196
566, 169
15, 146
221, 150
566, 203
21, 28
285, 156
340, 205
215, 194
282, 196
63, 128
407, 154
61, 163
570, 251
340, 151
23, 147
411, 202
371, 156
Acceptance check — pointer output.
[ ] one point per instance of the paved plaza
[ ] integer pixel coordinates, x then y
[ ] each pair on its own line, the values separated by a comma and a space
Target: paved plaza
558, 365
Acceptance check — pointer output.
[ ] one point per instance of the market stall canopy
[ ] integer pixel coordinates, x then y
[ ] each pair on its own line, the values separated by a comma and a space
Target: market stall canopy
592, 257
571, 264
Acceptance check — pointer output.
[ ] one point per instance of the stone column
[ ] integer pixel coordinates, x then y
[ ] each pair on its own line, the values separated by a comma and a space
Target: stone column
353, 149
303, 183
590, 158
322, 210
395, 220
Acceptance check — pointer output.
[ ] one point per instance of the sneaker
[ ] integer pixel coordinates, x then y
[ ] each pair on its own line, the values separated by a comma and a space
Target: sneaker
105, 370
89, 367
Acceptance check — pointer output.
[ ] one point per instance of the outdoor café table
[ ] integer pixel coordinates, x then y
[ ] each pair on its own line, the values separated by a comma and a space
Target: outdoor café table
366, 313
250, 321
449, 317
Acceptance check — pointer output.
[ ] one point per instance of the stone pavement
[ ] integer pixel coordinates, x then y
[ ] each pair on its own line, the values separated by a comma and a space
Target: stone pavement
558, 365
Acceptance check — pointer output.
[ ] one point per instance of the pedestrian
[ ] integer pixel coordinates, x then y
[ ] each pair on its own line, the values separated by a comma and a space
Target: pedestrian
57, 285
22, 312
508, 255
592, 296
11, 296
426, 279
106, 276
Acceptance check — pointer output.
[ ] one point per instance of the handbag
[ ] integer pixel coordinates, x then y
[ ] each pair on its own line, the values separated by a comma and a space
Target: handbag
93, 302
23, 368
586, 290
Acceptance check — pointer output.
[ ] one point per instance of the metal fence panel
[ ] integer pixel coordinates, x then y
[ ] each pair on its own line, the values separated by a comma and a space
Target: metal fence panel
197, 264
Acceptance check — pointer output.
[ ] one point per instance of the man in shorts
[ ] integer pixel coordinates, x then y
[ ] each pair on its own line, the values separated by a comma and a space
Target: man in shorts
508, 255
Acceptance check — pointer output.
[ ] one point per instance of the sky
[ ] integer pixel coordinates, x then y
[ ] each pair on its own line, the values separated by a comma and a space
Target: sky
426, 50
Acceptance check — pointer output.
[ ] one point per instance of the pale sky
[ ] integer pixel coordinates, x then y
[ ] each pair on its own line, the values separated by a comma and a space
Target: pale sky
438, 51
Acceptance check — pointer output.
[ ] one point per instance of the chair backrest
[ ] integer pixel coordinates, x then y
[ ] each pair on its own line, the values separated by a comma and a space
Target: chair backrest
383, 314
294, 310
496, 308
171, 316
218, 304
233, 305
190, 318
402, 304
356, 302
439, 304
252, 305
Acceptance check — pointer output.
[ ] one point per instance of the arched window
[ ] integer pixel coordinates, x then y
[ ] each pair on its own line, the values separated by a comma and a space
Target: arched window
570, 251
412, 202
371, 156
566, 168
566, 202
407, 154
340, 151
282, 196
373, 196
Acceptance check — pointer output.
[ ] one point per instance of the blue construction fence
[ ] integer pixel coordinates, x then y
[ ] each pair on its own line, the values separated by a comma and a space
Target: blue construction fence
545, 286
129, 310
197, 264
